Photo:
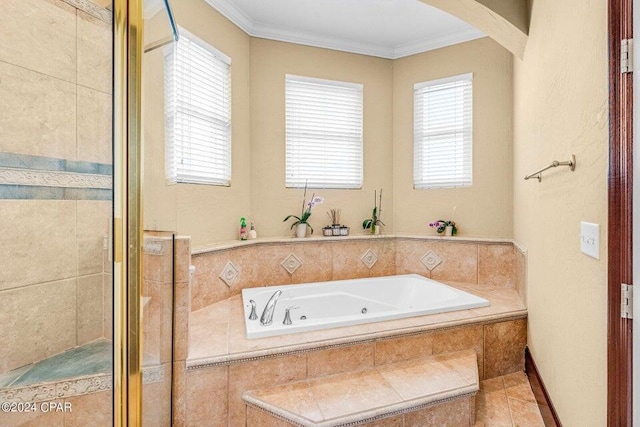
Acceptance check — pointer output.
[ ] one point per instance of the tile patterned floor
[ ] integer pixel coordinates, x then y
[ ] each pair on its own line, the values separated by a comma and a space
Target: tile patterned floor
507, 401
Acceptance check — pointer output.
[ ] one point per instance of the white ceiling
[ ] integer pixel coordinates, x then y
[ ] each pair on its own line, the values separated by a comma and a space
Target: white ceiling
384, 28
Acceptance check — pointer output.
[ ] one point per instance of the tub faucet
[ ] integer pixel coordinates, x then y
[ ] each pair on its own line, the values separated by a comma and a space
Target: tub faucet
267, 315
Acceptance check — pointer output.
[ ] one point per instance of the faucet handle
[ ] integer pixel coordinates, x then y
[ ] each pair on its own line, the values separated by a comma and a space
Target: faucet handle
287, 315
253, 315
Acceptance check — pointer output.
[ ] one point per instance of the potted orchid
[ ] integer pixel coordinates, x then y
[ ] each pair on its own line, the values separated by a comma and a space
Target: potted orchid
374, 223
302, 221
447, 227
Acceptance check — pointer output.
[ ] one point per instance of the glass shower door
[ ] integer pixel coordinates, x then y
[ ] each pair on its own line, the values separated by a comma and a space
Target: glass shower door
55, 213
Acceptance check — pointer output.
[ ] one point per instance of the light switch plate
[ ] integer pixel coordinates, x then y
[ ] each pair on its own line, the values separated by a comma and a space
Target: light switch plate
590, 239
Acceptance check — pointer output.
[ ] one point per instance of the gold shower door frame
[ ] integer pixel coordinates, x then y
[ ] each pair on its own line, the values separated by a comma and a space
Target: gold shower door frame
127, 213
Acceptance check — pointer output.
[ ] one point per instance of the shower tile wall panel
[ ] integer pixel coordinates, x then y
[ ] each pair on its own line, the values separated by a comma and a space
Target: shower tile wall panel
55, 116
487, 265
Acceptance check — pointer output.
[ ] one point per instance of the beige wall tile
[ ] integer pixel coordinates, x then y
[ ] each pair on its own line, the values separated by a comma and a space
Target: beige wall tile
94, 53
268, 258
455, 413
521, 275
258, 374
496, 265
470, 337
317, 262
459, 262
207, 397
89, 308
25, 95
39, 35
258, 418
387, 422
408, 254
39, 230
179, 400
38, 321
90, 409
346, 259
93, 219
156, 398
206, 286
504, 345
182, 311
94, 126
158, 266
342, 359
245, 261
385, 250
403, 348
107, 328
182, 257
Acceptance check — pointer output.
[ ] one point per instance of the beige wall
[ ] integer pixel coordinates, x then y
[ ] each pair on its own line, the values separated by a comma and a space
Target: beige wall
559, 111
204, 212
271, 202
211, 214
485, 208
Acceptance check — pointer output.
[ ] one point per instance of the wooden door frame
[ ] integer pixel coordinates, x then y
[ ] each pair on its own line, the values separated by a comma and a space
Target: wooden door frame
620, 185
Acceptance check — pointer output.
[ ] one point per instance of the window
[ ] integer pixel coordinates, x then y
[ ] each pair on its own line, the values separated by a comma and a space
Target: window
443, 133
323, 133
197, 113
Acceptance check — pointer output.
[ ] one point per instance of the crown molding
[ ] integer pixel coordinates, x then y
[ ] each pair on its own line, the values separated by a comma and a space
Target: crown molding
310, 39
233, 13
255, 29
436, 42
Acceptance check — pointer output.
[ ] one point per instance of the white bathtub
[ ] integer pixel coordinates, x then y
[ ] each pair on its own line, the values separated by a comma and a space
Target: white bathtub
338, 303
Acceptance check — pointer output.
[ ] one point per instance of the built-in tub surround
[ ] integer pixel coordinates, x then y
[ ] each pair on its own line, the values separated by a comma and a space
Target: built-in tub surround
223, 363
325, 305
223, 270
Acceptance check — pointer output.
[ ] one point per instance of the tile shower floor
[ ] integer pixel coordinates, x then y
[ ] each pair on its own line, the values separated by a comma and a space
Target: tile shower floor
507, 401
89, 359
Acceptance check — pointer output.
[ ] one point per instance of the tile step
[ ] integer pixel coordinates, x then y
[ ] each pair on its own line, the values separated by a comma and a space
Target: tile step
352, 398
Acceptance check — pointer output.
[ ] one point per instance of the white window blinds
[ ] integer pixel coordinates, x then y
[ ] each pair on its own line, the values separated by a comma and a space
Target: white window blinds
443, 133
197, 113
323, 133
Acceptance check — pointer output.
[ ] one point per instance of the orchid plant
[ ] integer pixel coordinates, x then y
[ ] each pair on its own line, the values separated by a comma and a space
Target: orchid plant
440, 225
306, 210
374, 223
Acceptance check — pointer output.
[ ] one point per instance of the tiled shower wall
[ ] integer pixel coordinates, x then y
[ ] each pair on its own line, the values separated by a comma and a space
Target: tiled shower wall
55, 177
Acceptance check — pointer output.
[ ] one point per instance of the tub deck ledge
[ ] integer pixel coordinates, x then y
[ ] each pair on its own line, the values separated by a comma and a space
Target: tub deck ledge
217, 333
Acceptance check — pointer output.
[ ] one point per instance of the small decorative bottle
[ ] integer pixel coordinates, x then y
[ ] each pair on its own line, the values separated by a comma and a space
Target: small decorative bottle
252, 233
244, 233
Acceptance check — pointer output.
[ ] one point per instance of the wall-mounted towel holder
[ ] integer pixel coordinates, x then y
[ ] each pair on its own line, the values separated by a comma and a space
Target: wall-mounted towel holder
538, 174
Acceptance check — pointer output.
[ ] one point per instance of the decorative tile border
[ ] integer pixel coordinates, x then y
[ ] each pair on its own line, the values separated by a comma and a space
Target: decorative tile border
38, 177
73, 387
92, 9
